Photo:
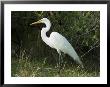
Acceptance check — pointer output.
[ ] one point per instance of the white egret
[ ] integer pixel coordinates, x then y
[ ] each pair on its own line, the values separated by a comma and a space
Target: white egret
57, 41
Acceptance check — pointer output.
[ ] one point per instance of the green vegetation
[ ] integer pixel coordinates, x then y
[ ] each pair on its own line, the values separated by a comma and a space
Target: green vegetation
26, 68
32, 57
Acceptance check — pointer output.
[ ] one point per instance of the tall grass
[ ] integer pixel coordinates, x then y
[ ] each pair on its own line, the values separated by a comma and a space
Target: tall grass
26, 67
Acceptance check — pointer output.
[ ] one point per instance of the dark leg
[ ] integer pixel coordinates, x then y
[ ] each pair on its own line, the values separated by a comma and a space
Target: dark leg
59, 61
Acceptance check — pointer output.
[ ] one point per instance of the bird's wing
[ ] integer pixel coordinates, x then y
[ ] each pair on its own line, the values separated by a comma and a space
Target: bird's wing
59, 42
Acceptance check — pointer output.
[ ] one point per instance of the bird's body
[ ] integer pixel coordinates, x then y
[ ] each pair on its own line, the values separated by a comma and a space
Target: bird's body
57, 41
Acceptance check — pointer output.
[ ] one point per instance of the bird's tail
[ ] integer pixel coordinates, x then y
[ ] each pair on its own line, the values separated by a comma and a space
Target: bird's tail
74, 55
79, 62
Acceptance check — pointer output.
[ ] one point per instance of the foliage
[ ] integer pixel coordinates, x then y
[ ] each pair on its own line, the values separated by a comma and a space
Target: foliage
81, 28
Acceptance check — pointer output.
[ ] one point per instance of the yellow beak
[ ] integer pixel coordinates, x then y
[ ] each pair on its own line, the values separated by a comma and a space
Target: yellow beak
36, 22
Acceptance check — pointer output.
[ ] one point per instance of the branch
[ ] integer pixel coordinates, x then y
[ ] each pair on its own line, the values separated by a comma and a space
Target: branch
90, 50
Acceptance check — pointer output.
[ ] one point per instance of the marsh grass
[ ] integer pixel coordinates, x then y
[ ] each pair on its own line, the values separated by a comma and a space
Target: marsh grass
26, 67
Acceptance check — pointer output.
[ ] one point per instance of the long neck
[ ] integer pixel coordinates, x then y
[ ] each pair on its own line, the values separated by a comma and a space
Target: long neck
43, 32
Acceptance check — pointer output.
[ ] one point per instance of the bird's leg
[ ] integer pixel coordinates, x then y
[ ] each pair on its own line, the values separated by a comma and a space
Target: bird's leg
59, 64
59, 61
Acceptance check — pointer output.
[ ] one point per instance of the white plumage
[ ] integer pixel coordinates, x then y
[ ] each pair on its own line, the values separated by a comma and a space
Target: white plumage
57, 41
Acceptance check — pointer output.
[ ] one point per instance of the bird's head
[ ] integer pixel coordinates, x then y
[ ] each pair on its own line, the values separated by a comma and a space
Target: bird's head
43, 21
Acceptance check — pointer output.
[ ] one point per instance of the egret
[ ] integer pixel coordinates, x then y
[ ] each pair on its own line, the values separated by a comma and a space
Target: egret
57, 41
